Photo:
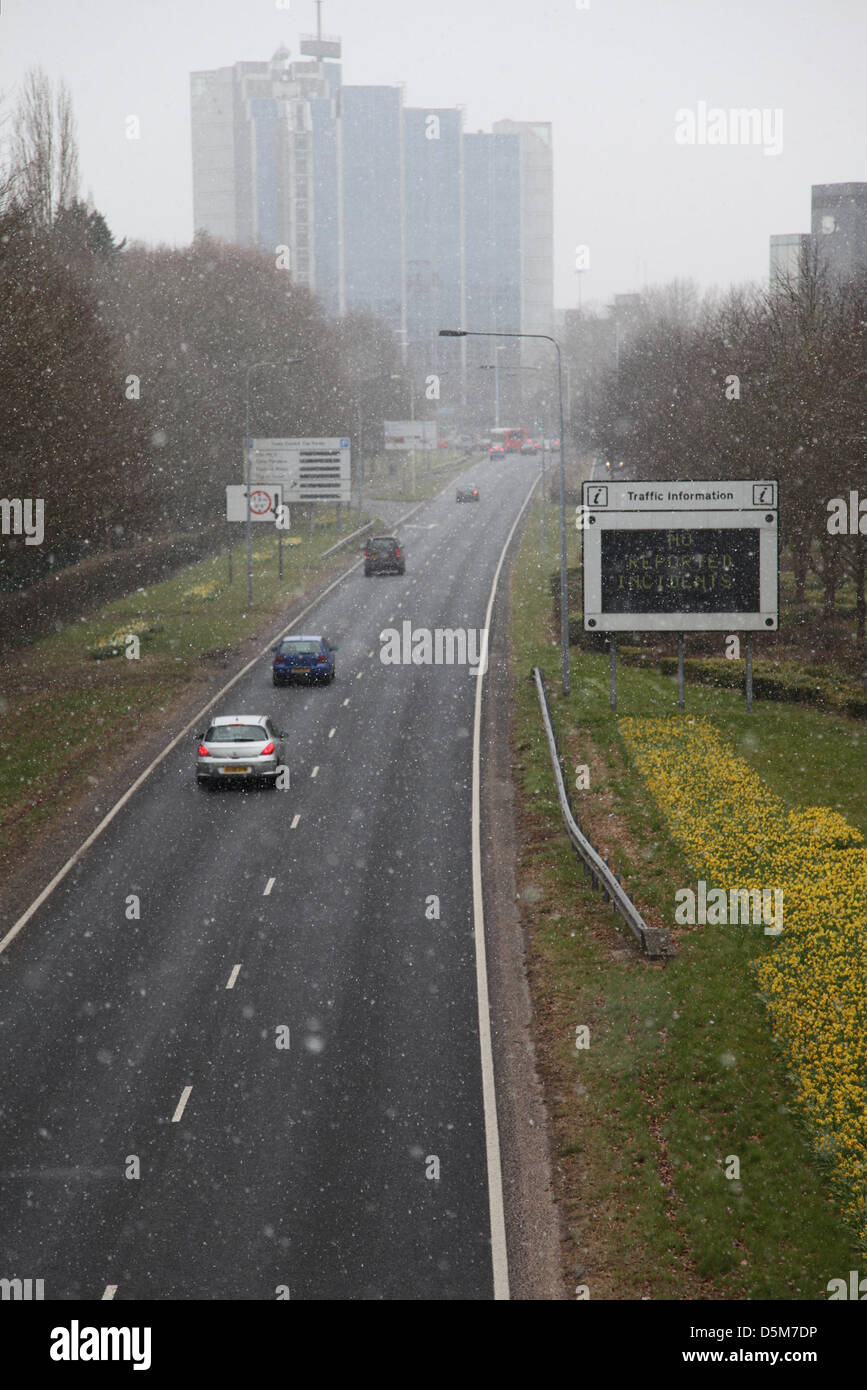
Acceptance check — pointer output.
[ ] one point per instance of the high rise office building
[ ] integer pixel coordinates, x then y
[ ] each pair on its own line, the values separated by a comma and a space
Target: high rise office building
492, 240
433, 227
509, 239
839, 228
371, 143
535, 207
789, 260
255, 128
383, 207
837, 242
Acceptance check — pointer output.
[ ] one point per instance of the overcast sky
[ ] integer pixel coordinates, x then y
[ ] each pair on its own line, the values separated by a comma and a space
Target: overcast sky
610, 77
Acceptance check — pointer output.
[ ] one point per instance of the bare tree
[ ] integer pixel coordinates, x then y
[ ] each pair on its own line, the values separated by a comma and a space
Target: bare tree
7, 173
44, 149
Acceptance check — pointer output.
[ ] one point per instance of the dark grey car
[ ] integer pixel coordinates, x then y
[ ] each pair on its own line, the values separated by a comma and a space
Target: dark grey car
384, 555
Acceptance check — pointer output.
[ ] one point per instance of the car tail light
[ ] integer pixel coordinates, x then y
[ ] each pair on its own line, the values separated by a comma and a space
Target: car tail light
203, 752
322, 660
397, 552
269, 748
367, 554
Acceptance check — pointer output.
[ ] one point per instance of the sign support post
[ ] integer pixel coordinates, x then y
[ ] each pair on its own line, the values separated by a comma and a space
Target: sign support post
680, 696
613, 642
247, 489
749, 689
249, 505
544, 500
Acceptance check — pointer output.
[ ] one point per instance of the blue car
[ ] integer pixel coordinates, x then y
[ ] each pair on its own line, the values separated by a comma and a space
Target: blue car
304, 659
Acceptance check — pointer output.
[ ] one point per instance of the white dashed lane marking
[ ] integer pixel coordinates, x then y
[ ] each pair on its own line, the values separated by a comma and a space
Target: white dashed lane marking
315, 770
230, 983
331, 733
268, 886
185, 1095
295, 819
110, 1291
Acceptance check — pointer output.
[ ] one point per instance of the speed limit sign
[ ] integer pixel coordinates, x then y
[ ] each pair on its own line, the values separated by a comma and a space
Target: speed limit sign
265, 503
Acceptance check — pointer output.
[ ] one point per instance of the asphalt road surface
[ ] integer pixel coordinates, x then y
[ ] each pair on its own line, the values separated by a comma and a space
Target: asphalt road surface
304, 1170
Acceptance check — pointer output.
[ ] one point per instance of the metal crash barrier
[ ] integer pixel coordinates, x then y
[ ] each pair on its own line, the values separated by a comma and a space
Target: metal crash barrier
656, 942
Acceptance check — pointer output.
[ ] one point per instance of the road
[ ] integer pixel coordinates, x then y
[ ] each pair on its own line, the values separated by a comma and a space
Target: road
299, 1170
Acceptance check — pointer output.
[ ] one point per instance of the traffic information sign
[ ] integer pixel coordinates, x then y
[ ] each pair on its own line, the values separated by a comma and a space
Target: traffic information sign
679, 556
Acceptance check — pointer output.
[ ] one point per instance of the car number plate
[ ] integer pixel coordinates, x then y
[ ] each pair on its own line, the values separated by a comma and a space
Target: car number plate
236, 769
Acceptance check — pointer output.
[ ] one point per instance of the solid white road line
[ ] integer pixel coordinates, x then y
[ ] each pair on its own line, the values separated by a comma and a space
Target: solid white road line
110, 1291
185, 1095
230, 983
499, 1256
268, 886
295, 819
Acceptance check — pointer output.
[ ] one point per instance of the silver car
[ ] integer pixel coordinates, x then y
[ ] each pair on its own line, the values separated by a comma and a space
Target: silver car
240, 748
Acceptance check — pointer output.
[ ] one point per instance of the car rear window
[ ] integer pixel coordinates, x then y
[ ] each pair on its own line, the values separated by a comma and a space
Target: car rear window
235, 733
384, 546
296, 647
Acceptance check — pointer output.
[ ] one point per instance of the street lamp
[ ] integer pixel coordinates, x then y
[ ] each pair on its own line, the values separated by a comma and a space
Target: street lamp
254, 366
564, 611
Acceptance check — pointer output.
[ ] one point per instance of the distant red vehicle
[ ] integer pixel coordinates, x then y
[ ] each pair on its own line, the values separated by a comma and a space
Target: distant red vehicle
511, 439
